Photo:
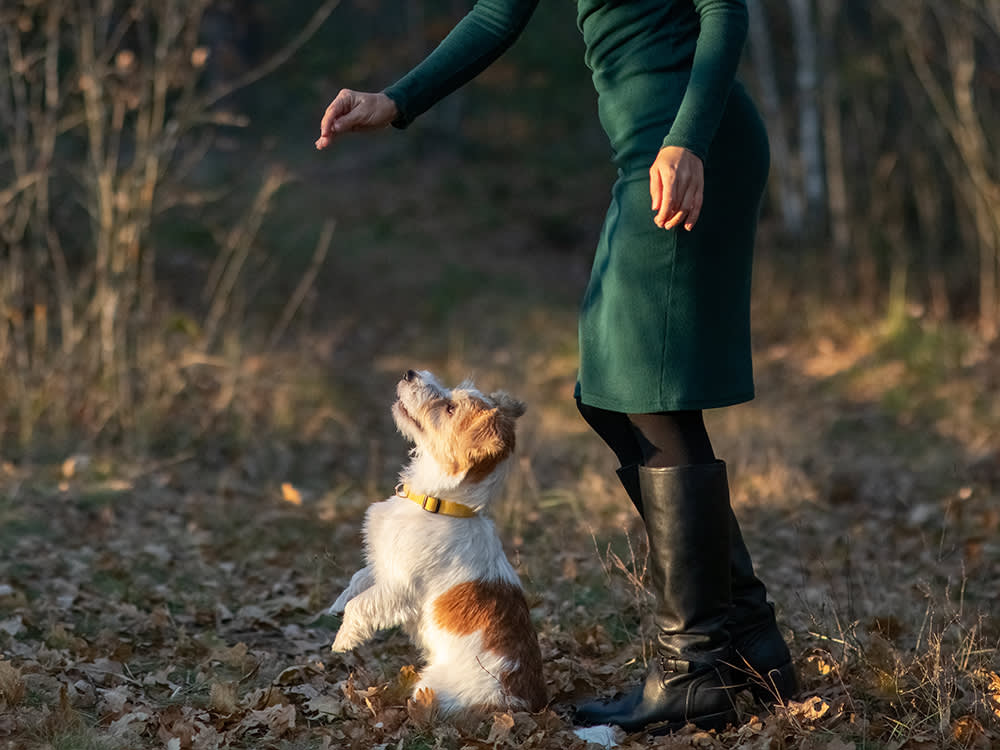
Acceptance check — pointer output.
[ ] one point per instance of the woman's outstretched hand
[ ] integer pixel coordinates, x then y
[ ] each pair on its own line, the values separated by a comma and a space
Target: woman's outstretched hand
354, 112
677, 187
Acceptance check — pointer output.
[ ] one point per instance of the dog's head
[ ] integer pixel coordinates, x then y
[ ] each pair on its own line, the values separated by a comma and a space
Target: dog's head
466, 432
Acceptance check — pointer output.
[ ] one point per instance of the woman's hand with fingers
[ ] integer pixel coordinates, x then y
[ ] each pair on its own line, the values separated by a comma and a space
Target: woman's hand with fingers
355, 112
677, 187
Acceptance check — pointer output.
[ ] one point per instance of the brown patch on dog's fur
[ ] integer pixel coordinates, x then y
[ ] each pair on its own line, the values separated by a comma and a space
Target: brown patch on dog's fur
475, 437
498, 609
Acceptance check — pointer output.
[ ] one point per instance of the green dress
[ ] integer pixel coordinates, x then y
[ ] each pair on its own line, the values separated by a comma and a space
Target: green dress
665, 320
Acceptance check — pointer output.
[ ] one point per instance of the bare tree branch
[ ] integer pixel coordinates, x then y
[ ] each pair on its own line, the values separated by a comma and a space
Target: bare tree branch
276, 60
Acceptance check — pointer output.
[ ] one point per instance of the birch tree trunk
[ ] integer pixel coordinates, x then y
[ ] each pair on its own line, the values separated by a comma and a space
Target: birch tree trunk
783, 185
807, 85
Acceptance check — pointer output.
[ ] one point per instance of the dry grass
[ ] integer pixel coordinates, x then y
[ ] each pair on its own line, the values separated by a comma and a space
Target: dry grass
11, 685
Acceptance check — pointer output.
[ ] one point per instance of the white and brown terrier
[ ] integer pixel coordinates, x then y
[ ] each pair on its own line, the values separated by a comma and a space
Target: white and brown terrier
434, 563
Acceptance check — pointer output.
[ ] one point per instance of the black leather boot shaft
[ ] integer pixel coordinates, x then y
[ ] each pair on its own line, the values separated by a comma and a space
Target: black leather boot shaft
686, 514
760, 654
687, 523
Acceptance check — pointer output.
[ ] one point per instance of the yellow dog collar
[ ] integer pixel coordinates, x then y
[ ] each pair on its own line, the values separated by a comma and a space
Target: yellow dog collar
435, 504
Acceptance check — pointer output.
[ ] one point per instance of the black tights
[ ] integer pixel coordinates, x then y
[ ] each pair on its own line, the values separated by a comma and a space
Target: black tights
666, 438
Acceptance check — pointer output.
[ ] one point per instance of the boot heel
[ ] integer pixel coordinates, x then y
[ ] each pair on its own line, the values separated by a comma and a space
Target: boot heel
779, 685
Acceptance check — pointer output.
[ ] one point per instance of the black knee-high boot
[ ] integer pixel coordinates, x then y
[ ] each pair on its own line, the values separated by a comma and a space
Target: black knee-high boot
760, 654
686, 515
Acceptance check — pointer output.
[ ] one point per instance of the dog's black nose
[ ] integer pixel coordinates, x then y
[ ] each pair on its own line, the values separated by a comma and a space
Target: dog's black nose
410, 375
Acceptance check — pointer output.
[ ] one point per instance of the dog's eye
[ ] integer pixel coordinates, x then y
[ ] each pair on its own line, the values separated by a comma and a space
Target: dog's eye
450, 408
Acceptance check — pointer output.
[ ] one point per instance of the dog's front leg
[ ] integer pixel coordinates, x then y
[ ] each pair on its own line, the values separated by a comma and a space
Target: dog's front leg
374, 609
360, 581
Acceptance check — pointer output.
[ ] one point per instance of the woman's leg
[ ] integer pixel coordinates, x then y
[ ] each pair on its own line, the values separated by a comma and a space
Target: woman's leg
679, 439
681, 491
708, 598
665, 439
672, 438
615, 429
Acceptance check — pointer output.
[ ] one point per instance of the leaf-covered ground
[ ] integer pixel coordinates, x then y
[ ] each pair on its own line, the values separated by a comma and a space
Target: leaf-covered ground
174, 602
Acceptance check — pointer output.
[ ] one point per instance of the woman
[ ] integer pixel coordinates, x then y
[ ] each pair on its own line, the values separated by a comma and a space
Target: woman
665, 321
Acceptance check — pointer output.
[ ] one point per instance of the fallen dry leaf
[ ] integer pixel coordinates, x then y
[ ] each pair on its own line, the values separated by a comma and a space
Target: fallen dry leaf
969, 733
290, 495
423, 707
822, 663
112, 701
810, 709
232, 656
325, 707
501, 729
297, 674
223, 699
397, 692
132, 723
991, 688
207, 737
277, 720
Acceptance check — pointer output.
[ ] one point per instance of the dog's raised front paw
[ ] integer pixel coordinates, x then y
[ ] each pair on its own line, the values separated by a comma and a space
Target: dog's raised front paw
338, 607
344, 642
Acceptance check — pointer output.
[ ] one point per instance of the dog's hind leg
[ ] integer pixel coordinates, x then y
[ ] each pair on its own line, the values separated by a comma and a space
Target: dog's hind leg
361, 581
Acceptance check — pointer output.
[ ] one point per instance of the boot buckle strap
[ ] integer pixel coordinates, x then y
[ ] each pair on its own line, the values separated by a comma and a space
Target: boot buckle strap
677, 666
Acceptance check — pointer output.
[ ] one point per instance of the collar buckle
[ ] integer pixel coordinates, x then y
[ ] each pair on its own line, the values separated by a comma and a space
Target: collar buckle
435, 504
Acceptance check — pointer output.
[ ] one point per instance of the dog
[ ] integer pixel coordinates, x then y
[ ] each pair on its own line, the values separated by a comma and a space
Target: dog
434, 563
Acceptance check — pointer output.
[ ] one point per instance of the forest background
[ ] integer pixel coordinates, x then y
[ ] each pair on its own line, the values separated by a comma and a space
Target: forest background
202, 320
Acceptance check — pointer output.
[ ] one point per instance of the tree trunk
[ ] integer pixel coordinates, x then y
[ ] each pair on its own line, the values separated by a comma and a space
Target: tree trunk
807, 84
837, 198
785, 191
956, 108
972, 143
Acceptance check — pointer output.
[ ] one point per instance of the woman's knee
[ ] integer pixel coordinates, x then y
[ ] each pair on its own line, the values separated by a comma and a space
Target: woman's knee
615, 429
672, 438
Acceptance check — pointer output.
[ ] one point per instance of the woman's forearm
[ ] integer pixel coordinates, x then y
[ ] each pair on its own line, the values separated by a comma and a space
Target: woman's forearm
485, 33
717, 56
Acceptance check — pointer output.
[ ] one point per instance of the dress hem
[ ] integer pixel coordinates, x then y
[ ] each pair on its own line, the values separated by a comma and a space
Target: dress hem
611, 404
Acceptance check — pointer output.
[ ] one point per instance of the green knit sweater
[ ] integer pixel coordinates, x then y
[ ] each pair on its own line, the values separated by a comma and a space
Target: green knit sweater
662, 68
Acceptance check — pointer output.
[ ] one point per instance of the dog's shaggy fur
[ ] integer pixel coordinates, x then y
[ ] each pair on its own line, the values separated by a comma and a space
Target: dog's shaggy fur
445, 579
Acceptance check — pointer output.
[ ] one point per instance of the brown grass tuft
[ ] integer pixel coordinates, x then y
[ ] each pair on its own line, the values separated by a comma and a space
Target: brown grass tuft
12, 689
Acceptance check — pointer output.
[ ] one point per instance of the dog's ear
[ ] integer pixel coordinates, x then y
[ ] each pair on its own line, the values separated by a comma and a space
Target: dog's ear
508, 405
490, 439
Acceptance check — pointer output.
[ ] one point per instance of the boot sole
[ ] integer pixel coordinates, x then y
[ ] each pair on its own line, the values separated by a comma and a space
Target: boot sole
718, 721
